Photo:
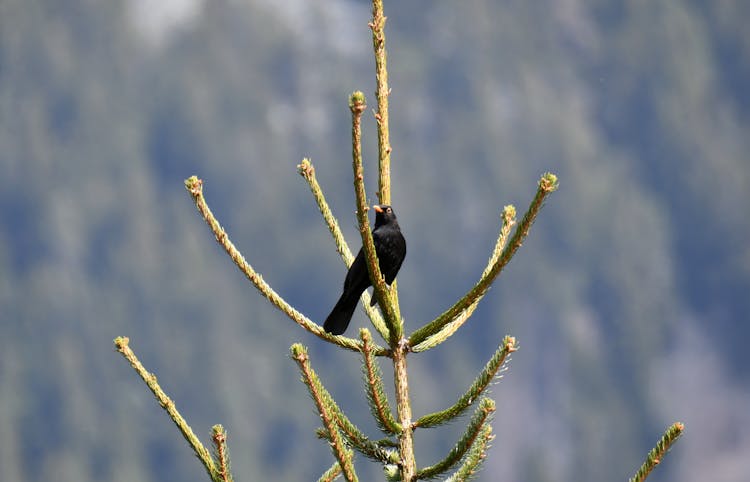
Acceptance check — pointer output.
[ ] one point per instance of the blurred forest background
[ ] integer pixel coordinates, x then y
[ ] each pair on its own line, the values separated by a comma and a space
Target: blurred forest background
629, 298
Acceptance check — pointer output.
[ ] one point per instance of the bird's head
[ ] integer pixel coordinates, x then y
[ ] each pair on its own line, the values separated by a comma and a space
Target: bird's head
384, 214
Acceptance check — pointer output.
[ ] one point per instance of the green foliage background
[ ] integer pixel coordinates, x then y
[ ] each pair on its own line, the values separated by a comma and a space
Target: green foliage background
629, 299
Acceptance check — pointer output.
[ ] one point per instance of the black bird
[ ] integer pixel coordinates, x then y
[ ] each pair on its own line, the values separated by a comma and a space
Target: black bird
390, 247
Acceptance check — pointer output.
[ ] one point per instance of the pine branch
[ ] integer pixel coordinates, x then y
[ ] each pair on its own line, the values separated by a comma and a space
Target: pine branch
376, 451
376, 397
221, 453
331, 473
195, 187
547, 185
388, 303
509, 219
360, 441
344, 456
382, 91
475, 457
386, 442
122, 345
354, 436
656, 455
488, 374
307, 171
403, 407
388, 300
479, 421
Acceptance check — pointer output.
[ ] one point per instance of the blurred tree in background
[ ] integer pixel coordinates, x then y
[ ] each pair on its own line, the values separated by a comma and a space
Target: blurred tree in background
628, 301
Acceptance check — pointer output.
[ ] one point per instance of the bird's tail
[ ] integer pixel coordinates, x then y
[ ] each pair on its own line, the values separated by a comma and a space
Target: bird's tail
341, 314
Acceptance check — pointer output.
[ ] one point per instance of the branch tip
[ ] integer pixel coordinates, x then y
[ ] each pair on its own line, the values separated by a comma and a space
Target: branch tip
548, 182
194, 185
299, 352
656, 455
121, 342
357, 102
509, 214
305, 168
487, 405
218, 433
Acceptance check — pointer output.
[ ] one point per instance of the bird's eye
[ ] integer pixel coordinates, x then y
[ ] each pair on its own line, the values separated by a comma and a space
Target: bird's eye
389, 210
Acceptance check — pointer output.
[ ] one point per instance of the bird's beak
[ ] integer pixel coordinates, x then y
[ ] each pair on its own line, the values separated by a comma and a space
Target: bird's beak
377, 208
